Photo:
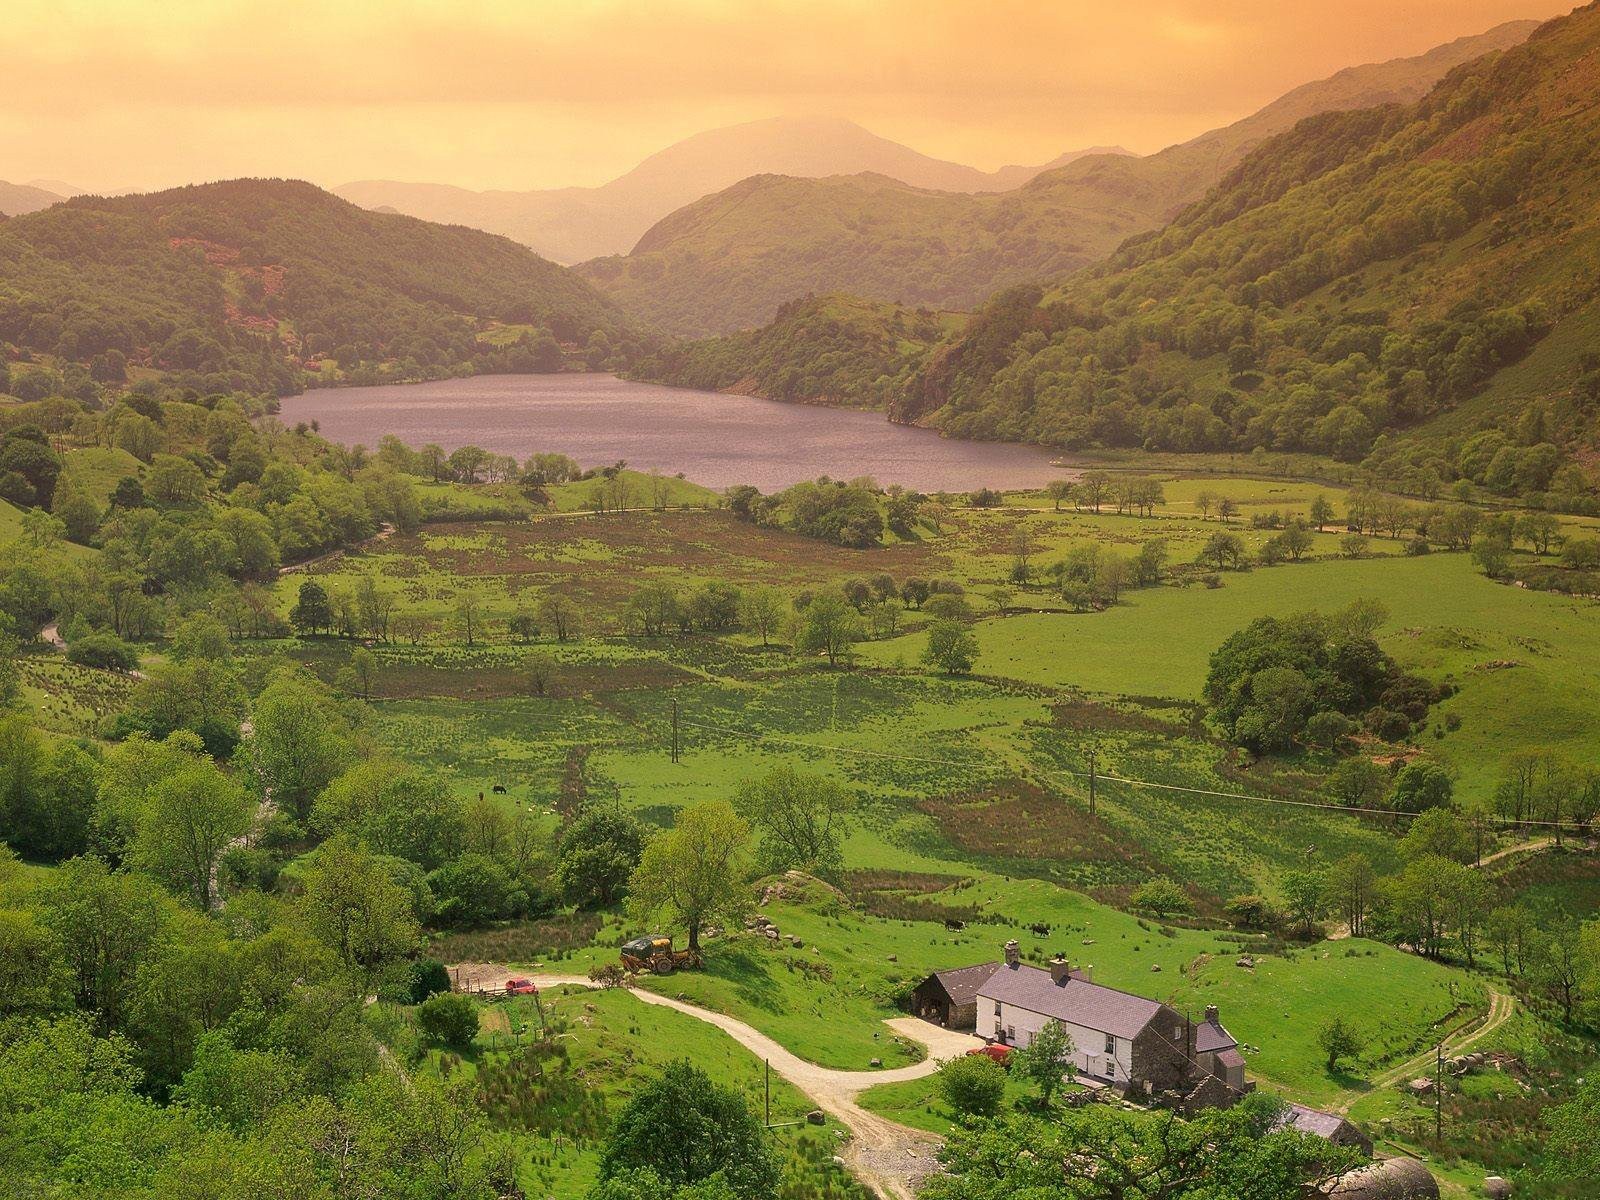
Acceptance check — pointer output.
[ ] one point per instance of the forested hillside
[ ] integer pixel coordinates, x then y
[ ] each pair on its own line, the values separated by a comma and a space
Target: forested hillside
261, 284
1418, 271
729, 260
828, 350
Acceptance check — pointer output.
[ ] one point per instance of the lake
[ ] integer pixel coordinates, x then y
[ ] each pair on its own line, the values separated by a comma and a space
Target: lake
711, 438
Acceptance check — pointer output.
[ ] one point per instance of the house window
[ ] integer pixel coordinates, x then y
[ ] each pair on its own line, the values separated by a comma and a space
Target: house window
1111, 1045
997, 1008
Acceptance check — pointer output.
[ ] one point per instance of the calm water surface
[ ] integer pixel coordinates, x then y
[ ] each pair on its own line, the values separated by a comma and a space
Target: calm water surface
713, 439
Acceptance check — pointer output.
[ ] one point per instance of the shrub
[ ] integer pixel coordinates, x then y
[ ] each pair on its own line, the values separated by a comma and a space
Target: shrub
105, 650
973, 1085
1161, 897
1250, 912
448, 1020
428, 978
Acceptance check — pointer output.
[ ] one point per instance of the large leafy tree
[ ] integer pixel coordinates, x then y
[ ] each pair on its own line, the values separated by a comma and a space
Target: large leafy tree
596, 854
684, 1129
802, 819
694, 873
189, 818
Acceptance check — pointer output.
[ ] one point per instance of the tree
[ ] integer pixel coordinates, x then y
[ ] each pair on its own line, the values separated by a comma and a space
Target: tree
694, 872
311, 612
1420, 786
973, 1085
1509, 930
1102, 1153
684, 1129
1348, 889
1321, 512
1058, 490
300, 742
190, 818
951, 648
363, 671
802, 819
351, 904
1162, 897
394, 809
1046, 1061
539, 670
829, 626
1222, 550
761, 611
596, 854
1338, 1039
1357, 782
468, 608
1304, 899
448, 1019
1439, 831
558, 616
472, 890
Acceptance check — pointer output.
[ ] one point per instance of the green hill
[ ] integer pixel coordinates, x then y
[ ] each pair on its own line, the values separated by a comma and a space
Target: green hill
1426, 271
838, 350
247, 280
727, 261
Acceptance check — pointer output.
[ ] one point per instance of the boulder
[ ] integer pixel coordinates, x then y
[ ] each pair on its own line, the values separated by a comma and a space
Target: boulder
1496, 1188
877, 1062
815, 1117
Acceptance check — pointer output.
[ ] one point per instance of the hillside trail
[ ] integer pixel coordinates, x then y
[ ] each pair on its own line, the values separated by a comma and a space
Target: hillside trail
887, 1156
1501, 1008
385, 532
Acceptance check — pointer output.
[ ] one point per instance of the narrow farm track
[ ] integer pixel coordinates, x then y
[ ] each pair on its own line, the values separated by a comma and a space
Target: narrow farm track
1501, 1008
887, 1156
385, 532
1521, 848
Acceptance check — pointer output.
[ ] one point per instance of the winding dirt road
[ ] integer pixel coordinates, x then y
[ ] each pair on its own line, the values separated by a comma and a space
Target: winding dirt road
887, 1156
1501, 1008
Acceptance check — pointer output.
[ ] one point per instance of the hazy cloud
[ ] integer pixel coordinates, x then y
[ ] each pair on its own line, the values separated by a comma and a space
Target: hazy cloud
118, 92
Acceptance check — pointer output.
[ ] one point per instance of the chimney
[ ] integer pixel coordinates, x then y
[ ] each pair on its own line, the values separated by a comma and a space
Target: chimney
1211, 1014
1013, 953
1060, 970
1086, 972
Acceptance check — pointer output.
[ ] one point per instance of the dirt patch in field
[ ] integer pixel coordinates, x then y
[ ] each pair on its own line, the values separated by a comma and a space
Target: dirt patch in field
601, 557
523, 942
1019, 828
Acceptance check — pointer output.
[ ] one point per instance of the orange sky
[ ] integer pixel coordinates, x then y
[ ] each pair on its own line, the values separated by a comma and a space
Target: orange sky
537, 93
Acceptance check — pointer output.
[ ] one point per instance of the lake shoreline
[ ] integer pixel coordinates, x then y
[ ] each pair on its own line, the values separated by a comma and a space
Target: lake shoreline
719, 439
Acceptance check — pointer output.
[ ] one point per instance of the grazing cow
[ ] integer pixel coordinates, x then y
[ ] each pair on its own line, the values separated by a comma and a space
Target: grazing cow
499, 789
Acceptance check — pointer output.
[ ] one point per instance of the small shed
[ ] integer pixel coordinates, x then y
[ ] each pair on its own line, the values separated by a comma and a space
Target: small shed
950, 998
1333, 1127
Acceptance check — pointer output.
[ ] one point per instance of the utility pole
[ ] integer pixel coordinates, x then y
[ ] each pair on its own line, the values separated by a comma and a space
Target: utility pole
1094, 751
769, 1094
674, 729
1438, 1094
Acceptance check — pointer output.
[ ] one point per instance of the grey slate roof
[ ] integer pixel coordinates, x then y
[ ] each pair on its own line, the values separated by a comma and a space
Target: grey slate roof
1210, 1035
1231, 1058
962, 983
1090, 1005
1312, 1120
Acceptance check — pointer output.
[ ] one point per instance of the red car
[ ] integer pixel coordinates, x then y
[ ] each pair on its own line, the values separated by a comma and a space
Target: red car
521, 987
996, 1052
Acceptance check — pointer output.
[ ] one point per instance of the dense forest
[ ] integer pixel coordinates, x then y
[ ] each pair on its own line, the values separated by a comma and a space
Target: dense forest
829, 349
1412, 287
273, 284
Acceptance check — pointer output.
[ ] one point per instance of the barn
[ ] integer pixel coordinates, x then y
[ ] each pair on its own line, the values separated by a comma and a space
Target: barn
950, 998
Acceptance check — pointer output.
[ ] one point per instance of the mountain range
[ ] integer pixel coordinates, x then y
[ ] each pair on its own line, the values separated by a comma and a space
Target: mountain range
19, 198
728, 260
573, 224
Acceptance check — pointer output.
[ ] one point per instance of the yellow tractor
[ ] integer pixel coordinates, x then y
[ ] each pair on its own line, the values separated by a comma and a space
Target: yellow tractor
654, 953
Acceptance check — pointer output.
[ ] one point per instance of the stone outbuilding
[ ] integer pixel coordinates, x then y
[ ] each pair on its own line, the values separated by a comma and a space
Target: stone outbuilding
1336, 1129
950, 998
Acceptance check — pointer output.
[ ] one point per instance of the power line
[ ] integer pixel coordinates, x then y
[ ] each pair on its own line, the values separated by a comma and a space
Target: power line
1094, 775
